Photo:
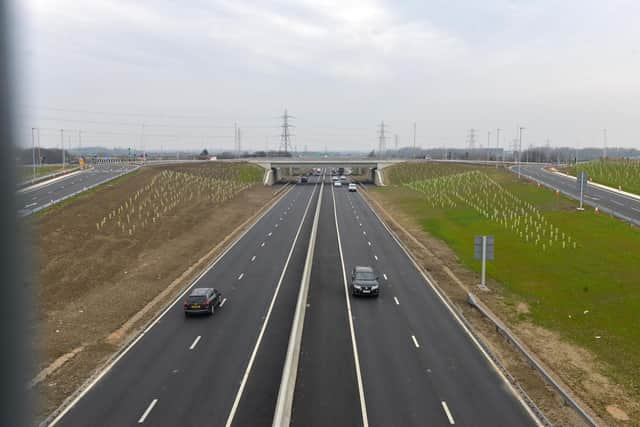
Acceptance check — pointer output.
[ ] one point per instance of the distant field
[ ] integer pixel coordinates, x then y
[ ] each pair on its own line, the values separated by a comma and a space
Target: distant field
25, 173
623, 174
577, 271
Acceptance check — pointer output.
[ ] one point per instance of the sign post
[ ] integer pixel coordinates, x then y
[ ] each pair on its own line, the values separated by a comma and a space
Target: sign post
582, 180
484, 250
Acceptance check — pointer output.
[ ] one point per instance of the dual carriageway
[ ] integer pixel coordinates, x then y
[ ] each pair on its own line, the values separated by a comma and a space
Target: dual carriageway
401, 359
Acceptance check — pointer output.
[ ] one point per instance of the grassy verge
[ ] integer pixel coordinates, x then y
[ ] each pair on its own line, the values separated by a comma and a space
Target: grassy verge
621, 174
25, 173
589, 294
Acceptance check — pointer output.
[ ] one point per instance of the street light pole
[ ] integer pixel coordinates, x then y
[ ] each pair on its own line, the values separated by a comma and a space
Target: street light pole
488, 146
33, 152
62, 146
520, 151
498, 146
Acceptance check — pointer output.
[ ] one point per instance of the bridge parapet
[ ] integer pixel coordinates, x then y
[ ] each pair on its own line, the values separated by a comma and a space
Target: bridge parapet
272, 166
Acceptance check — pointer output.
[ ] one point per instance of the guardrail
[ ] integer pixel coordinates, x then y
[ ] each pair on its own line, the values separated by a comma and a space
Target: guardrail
505, 332
24, 213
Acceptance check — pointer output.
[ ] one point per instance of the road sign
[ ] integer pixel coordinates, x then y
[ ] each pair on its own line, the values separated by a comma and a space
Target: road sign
477, 247
483, 249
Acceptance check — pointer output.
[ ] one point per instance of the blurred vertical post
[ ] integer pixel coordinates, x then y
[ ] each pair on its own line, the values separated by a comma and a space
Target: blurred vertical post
14, 408
33, 151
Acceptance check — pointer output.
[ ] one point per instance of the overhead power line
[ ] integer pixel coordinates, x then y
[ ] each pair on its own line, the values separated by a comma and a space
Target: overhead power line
382, 140
285, 137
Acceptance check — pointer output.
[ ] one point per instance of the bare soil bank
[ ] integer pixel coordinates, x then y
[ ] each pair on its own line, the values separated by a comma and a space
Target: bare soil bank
91, 282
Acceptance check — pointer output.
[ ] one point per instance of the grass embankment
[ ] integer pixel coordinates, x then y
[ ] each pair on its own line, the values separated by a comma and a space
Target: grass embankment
589, 292
25, 173
621, 174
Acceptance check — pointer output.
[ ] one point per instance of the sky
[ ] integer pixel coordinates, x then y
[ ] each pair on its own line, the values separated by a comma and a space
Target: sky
160, 74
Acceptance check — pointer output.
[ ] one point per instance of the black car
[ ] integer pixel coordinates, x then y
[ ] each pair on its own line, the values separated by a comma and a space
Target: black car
364, 281
202, 300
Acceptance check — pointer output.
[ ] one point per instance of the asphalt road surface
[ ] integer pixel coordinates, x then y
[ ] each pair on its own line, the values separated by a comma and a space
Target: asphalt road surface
32, 199
400, 359
616, 204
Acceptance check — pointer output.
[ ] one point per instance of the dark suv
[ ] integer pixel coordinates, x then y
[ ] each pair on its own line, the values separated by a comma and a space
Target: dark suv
202, 300
364, 281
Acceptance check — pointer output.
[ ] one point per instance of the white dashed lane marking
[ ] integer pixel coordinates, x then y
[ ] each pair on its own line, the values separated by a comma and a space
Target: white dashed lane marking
446, 411
195, 342
146, 413
415, 341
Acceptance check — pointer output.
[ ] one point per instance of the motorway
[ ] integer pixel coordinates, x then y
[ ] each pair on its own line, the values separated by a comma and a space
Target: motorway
400, 359
40, 195
617, 204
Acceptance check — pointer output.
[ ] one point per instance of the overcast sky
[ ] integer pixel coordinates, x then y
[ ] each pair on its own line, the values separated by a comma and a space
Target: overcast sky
187, 70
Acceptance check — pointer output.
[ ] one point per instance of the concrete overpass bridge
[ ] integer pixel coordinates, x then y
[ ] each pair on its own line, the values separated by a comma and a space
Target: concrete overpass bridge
273, 167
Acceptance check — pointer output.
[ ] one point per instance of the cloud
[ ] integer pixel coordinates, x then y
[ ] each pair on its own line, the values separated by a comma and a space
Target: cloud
453, 64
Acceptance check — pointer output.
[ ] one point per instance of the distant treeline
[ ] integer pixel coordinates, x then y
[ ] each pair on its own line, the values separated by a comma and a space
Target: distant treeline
43, 156
536, 154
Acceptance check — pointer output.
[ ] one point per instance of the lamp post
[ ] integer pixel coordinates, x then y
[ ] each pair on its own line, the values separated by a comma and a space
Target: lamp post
520, 151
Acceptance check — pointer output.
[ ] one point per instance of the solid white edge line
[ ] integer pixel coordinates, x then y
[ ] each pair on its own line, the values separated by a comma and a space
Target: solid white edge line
245, 377
446, 411
415, 341
195, 342
455, 316
222, 302
128, 348
284, 402
147, 411
356, 357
